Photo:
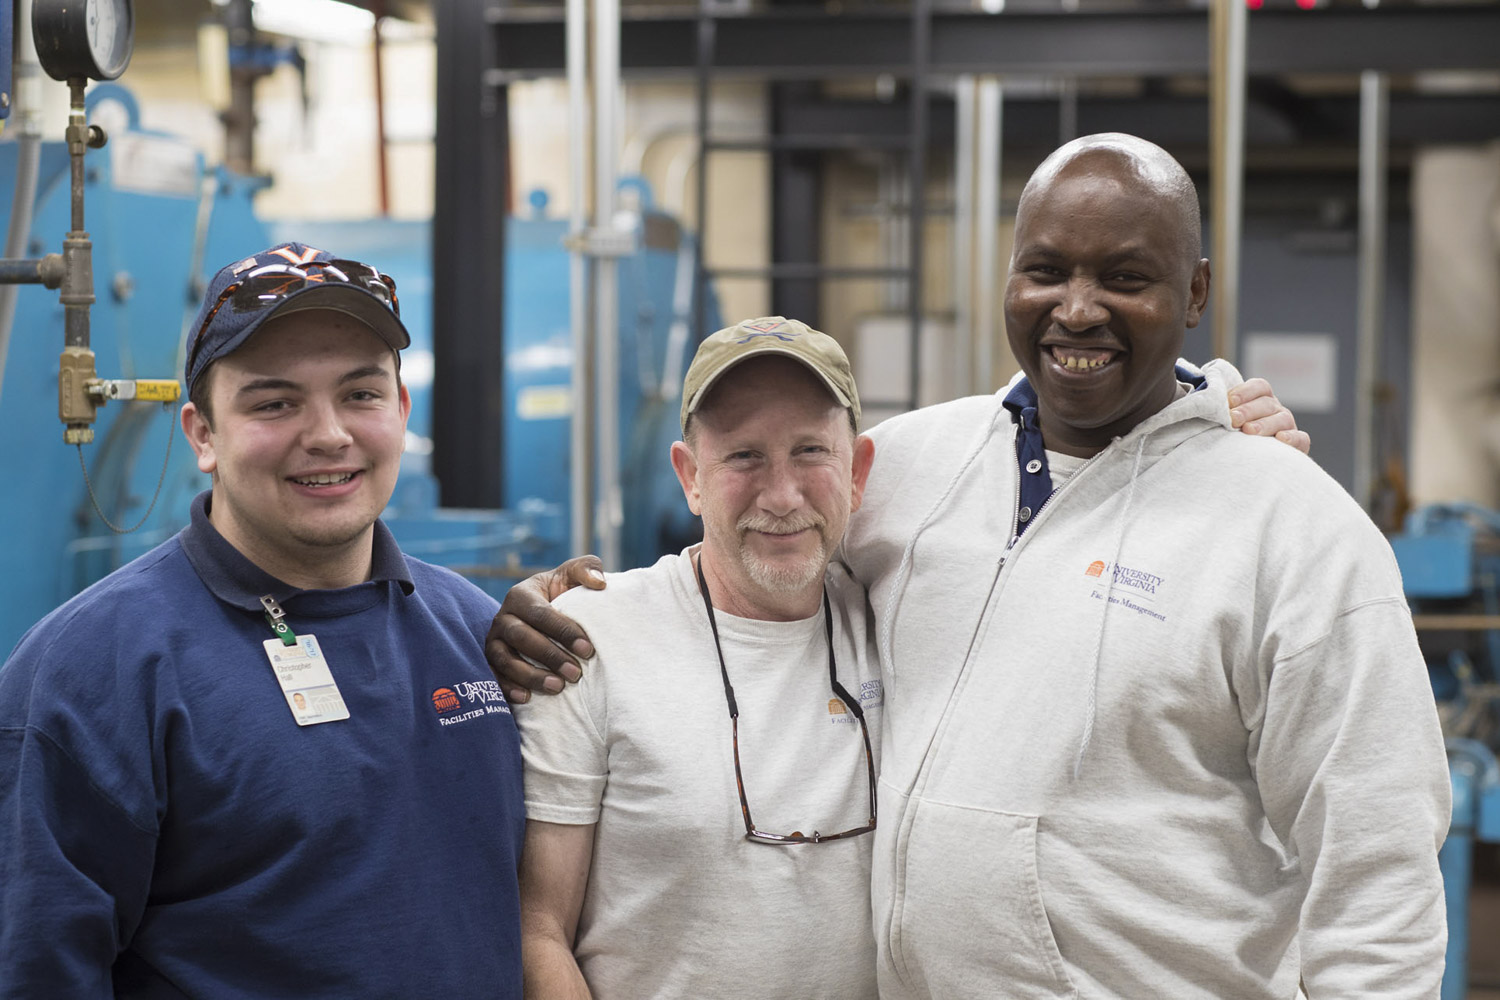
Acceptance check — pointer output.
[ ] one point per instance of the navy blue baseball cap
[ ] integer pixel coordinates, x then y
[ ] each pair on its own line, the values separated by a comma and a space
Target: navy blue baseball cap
289, 278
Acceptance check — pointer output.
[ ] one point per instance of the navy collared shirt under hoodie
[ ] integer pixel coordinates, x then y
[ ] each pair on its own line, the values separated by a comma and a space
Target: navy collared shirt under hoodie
1031, 454
168, 830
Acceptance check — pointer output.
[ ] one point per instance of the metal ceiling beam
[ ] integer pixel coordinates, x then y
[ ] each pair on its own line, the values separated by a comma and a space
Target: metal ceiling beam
810, 44
1174, 121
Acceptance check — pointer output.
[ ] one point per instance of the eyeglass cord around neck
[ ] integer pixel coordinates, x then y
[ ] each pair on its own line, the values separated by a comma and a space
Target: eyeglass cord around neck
851, 704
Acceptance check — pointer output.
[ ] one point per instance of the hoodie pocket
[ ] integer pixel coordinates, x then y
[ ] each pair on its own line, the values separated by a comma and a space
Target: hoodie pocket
973, 923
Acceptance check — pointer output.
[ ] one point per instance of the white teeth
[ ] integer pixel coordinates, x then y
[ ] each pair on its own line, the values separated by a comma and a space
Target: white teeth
325, 479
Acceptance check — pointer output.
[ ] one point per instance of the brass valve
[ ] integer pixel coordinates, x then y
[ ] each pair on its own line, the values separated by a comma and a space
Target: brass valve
80, 392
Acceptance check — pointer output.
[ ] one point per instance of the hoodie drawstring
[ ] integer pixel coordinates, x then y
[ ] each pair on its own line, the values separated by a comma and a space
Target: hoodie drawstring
888, 620
1114, 566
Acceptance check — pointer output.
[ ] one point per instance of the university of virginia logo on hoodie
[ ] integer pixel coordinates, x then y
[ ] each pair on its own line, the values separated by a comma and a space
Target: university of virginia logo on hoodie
479, 697
1128, 587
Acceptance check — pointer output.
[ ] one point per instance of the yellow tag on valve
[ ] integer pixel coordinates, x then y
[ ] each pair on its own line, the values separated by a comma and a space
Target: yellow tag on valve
150, 390
158, 390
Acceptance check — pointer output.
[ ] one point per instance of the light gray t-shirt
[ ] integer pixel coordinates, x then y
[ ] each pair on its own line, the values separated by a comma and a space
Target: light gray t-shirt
678, 903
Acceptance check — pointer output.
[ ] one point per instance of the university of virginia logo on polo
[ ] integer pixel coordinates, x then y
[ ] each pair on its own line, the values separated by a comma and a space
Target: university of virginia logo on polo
471, 699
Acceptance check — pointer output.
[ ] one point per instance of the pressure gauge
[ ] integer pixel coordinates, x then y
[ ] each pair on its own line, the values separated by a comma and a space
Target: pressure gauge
91, 38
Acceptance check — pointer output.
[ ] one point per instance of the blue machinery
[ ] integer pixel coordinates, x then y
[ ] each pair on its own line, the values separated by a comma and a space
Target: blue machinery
161, 224
1450, 566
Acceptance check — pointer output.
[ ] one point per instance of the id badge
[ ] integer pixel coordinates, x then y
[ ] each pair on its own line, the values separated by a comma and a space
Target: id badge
306, 681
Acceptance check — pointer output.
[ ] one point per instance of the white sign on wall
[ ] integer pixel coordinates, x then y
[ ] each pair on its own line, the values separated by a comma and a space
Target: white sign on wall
1301, 367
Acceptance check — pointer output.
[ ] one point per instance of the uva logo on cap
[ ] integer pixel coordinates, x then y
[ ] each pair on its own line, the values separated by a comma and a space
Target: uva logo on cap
778, 329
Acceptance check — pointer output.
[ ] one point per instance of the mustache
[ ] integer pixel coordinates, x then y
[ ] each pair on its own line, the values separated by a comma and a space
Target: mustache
788, 525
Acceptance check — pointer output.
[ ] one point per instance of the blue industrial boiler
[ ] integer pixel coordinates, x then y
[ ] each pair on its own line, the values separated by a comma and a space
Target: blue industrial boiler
161, 223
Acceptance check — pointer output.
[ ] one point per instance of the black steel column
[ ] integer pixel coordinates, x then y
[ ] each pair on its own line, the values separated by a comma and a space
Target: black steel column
472, 185
796, 210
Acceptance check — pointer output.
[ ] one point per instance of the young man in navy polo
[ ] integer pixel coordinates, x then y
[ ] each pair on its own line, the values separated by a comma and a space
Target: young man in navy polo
267, 758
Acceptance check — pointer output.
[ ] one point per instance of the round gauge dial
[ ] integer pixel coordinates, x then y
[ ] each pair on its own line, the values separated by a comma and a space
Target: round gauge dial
91, 38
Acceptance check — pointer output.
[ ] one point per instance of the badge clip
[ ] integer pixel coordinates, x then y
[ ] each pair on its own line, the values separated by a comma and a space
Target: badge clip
276, 618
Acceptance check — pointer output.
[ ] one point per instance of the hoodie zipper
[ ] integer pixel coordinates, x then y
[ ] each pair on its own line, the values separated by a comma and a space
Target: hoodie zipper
1015, 522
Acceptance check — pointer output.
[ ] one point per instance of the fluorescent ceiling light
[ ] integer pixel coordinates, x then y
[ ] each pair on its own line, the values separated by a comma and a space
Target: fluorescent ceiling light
315, 20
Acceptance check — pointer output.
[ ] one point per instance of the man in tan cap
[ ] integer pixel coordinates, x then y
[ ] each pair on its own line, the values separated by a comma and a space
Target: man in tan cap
698, 805
1158, 721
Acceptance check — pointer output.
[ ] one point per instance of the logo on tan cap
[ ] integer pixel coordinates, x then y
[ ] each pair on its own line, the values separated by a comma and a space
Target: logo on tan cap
769, 335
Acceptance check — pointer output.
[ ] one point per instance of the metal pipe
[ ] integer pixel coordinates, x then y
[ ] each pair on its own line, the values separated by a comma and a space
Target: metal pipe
987, 220
965, 378
1227, 26
606, 278
640, 145
239, 117
921, 35
28, 96
1067, 110
681, 164
1373, 113
886, 184
704, 58
20, 271
381, 155
78, 285
581, 465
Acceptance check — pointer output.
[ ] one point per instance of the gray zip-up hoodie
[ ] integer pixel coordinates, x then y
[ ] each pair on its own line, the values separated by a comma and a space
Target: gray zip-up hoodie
1177, 740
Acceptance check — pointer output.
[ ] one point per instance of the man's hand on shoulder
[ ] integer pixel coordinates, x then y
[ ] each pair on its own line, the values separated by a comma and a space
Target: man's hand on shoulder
1255, 410
531, 646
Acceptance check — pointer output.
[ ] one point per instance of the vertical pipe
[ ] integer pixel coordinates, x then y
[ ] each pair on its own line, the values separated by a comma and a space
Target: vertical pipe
581, 484
987, 219
78, 285
705, 39
1067, 110
606, 279
921, 28
888, 194
1227, 26
28, 99
1373, 107
1456, 863
381, 155
239, 117
965, 378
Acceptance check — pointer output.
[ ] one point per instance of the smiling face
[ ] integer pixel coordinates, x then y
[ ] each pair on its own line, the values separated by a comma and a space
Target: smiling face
309, 421
1104, 280
775, 470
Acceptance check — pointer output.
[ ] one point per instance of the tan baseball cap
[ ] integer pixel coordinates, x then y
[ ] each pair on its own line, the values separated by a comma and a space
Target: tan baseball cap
769, 335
